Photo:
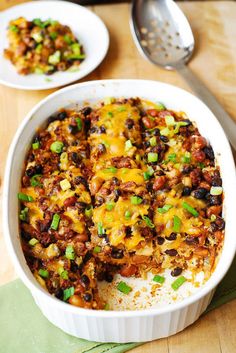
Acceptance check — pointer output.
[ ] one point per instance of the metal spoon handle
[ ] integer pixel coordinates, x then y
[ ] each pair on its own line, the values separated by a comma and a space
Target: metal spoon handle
206, 96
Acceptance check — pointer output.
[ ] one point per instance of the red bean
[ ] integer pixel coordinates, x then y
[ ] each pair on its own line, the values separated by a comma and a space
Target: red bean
148, 123
70, 201
198, 155
159, 182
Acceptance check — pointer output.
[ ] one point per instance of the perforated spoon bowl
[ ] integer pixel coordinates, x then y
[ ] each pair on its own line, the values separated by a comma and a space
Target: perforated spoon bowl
163, 35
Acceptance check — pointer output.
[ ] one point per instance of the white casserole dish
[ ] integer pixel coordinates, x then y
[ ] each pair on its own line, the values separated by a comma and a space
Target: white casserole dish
119, 326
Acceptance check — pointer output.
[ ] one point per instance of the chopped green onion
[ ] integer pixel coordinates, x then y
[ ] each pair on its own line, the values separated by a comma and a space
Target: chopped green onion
148, 222
65, 184
24, 214
57, 146
33, 241
178, 125
186, 158
24, 197
88, 212
123, 287
43, 273
149, 172
128, 145
55, 58
67, 39
170, 120
213, 218
201, 165
110, 205
14, 28
158, 279
70, 252
37, 36
34, 180
190, 209
53, 35
110, 170
79, 123
76, 48
127, 214
55, 221
164, 209
100, 228
177, 224
136, 200
172, 157
178, 282
67, 293
63, 273
110, 114
97, 249
165, 132
153, 141
38, 49
216, 190
35, 145
160, 106
121, 109
109, 100
152, 157
106, 306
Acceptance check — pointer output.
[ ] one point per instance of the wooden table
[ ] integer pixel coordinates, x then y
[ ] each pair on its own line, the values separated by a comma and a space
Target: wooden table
214, 62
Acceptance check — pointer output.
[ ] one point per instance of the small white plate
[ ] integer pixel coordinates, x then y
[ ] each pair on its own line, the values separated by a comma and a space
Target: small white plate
88, 28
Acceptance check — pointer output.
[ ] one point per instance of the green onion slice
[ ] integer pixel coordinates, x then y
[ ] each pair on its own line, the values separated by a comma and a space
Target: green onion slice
70, 252
148, 222
43, 273
110, 170
216, 190
34, 181
110, 205
101, 230
24, 214
190, 209
55, 221
178, 282
136, 200
164, 209
153, 141
97, 249
88, 212
67, 293
127, 214
158, 279
128, 145
57, 146
79, 123
123, 287
177, 224
35, 145
24, 197
152, 157
33, 241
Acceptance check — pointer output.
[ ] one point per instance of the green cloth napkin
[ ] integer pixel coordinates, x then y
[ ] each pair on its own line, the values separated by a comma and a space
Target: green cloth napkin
24, 329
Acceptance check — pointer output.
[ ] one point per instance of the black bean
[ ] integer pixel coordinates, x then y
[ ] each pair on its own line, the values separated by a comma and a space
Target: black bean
102, 129
128, 232
38, 169
164, 138
88, 297
156, 132
30, 172
75, 157
186, 169
74, 267
102, 235
214, 200
108, 277
117, 193
220, 223
81, 180
85, 280
172, 236
186, 191
31, 157
188, 122
93, 129
192, 240
146, 144
129, 123
73, 129
59, 293
117, 253
50, 72
61, 116
147, 133
176, 271
86, 111
209, 153
171, 252
213, 227
115, 181
160, 240
216, 181
82, 205
101, 148
149, 186
200, 193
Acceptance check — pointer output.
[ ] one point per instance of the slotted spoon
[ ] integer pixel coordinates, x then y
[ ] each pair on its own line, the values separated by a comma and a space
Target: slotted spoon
163, 35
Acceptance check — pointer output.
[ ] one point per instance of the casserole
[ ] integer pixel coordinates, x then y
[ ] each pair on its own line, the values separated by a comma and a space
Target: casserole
123, 326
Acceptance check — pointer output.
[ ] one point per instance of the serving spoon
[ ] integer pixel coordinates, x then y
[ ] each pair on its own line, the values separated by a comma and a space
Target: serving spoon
163, 35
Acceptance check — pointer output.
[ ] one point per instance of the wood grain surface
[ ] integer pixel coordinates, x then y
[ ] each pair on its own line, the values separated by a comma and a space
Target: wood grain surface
214, 61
